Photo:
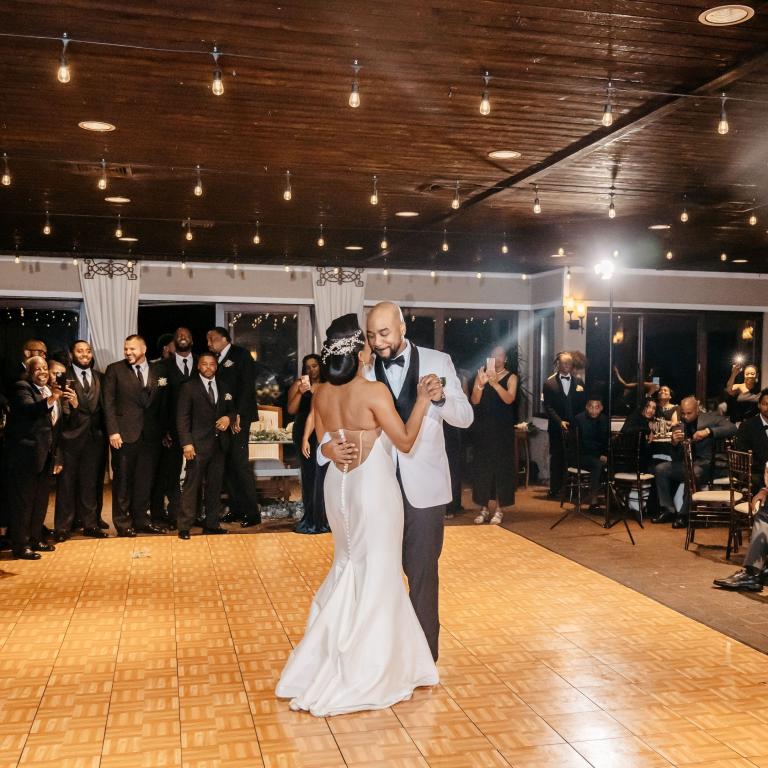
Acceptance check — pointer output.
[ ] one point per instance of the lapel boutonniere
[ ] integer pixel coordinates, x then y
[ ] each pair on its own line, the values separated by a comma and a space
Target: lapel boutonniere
228, 363
227, 396
579, 388
162, 382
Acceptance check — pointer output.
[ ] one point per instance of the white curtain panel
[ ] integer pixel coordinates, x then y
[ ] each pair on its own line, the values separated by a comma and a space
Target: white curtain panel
333, 300
112, 309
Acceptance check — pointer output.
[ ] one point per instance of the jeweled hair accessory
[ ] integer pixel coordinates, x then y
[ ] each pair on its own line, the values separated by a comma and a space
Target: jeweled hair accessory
342, 346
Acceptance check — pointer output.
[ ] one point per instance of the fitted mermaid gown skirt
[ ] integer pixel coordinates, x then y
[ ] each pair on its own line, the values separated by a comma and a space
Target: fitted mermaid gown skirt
363, 647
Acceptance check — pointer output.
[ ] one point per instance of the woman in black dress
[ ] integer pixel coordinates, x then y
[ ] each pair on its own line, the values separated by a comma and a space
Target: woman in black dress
300, 406
742, 398
494, 464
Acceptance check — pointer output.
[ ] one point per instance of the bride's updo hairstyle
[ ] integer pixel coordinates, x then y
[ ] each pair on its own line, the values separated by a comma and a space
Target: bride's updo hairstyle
343, 342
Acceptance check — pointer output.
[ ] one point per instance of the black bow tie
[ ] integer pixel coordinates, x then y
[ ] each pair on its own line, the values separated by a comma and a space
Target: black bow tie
400, 360
565, 378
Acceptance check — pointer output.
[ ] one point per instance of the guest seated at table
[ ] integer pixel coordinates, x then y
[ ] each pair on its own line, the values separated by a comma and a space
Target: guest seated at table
752, 436
742, 397
701, 429
640, 421
665, 407
593, 443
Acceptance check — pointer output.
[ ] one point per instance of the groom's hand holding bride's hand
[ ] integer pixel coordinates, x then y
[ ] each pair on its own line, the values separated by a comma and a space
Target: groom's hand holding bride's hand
434, 387
339, 451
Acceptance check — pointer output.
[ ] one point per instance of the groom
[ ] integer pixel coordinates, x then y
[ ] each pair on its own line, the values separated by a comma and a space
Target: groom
423, 474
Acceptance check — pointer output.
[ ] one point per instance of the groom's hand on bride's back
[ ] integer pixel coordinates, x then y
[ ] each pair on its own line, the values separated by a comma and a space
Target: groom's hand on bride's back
339, 451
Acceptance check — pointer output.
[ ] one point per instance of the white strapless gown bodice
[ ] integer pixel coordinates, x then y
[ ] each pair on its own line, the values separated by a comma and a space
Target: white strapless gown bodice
363, 647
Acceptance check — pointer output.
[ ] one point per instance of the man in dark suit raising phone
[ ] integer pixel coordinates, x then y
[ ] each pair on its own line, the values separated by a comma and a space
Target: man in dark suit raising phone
236, 368
136, 412
564, 398
206, 411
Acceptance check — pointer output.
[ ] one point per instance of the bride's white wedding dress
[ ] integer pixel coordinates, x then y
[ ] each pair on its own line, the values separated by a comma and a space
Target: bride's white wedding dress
363, 647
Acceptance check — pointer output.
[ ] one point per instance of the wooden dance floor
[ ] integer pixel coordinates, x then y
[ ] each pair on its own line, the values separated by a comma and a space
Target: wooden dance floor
159, 652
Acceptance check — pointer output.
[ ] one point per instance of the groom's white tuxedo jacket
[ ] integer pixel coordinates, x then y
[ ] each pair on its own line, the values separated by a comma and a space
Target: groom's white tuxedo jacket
424, 470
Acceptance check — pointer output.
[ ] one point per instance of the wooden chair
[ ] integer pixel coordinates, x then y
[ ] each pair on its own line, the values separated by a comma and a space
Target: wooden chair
523, 457
740, 477
705, 508
627, 476
720, 479
575, 479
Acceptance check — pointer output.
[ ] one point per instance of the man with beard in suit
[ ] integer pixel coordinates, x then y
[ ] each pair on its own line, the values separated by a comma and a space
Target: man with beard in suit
179, 367
237, 371
39, 409
753, 436
83, 445
205, 414
564, 398
136, 413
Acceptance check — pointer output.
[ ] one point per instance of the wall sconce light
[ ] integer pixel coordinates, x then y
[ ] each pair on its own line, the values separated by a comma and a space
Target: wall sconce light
748, 331
580, 310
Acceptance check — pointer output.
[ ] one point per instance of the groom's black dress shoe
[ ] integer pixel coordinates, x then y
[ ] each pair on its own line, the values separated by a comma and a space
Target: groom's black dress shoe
663, 517
743, 580
184, 535
26, 554
37, 546
680, 522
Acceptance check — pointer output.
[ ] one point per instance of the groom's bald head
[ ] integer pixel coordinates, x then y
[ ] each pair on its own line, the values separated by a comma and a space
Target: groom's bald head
385, 329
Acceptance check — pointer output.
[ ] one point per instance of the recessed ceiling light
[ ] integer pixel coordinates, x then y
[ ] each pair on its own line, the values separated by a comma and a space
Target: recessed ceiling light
726, 15
660, 226
407, 214
117, 199
739, 261
96, 125
129, 239
557, 255
504, 154
353, 247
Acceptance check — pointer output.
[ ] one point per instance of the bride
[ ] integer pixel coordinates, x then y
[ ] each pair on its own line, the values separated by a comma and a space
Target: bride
363, 647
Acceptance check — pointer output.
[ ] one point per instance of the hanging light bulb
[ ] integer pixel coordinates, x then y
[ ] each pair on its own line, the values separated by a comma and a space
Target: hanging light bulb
287, 194
375, 193
17, 259
234, 266
103, 178
723, 257
256, 236
479, 275
669, 255
612, 207
384, 244
536, 203
722, 126
6, 178
433, 274
607, 120
445, 242
684, 214
47, 226
75, 261
119, 228
385, 272
752, 220
485, 102
63, 75
354, 94
568, 273
183, 264
504, 248
188, 234
217, 86
198, 190
321, 239
456, 202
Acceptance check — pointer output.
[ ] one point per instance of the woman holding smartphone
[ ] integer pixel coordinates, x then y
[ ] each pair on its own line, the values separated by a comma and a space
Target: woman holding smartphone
494, 466
742, 397
300, 406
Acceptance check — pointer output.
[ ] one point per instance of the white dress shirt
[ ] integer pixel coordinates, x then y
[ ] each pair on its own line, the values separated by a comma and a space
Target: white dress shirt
396, 374
214, 387
180, 363
224, 352
566, 383
88, 374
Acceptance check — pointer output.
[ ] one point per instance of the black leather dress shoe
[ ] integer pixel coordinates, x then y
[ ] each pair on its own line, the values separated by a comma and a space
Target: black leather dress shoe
251, 520
152, 528
26, 554
214, 531
60, 536
184, 535
38, 546
126, 533
663, 517
231, 517
680, 522
741, 580
46, 533
94, 533
103, 524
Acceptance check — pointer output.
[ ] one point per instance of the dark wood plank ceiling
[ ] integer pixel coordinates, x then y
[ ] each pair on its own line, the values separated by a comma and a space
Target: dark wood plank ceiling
287, 75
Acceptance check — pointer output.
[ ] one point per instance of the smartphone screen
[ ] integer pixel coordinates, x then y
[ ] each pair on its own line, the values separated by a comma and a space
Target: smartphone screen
490, 365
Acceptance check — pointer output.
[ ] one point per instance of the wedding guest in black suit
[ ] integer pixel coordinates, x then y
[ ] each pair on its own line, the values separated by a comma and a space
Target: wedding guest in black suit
179, 367
136, 413
237, 371
564, 398
83, 445
38, 412
753, 436
205, 414
592, 424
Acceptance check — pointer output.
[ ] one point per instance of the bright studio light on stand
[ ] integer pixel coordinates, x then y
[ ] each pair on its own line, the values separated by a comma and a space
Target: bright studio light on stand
605, 268
63, 75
